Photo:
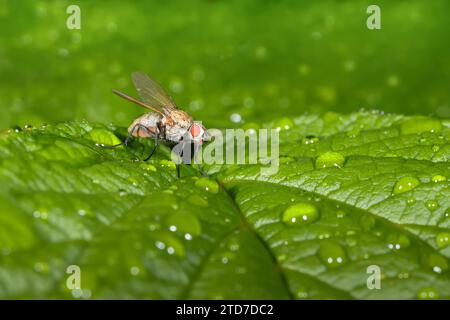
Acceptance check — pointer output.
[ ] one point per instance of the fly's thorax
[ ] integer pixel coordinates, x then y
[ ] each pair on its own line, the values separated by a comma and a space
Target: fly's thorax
176, 123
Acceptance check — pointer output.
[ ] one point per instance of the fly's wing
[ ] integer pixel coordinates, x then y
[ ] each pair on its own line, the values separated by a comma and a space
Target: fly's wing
151, 92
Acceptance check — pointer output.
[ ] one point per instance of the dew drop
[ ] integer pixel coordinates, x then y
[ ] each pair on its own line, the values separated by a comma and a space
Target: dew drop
397, 241
447, 214
300, 214
410, 201
353, 133
235, 117
435, 148
284, 124
427, 293
207, 184
82, 212
134, 271
437, 263
197, 200
167, 164
340, 214
185, 223
367, 222
438, 178
302, 294
431, 205
405, 184
310, 140
420, 124
332, 254
330, 159
443, 239
165, 241
122, 193
41, 267
148, 167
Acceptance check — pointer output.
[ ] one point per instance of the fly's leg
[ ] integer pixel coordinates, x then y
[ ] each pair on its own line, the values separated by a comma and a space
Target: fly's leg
127, 139
160, 129
154, 148
181, 157
196, 150
178, 170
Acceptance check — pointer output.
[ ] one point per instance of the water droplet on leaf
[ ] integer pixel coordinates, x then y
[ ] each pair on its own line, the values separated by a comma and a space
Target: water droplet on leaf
427, 293
300, 214
438, 178
332, 254
443, 239
207, 184
431, 205
405, 184
330, 159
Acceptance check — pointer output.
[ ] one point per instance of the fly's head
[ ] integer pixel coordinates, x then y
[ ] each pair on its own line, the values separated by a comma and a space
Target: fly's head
197, 133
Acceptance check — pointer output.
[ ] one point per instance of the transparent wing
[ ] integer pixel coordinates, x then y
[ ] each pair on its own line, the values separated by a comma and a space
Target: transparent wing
151, 92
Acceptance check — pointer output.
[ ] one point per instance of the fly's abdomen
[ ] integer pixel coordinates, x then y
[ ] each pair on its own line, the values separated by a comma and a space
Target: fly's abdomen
145, 126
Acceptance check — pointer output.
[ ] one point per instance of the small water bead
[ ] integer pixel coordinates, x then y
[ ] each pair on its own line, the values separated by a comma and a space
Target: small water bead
398, 241
410, 201
207, 184
135, 271
340, 214
447, 214
431, 205
122, 193
197, 200
332, 254
435, 148
427, 293
438, 178
233, 244
405, 184
353, 133
103, 137
286, 159
437, 263
77, 293
329, 160
351, 241
41, 267
310, 140
165, 241
300, 214
284, 124
235, 117
420, 124
148, 167
41, 214
367, 222
185, 223
167, 164
302, 294
443, 239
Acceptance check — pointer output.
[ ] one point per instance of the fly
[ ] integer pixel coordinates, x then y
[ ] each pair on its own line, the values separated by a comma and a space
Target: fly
165, 122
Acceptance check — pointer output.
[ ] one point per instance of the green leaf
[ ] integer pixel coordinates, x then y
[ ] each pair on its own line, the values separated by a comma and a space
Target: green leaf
352, 191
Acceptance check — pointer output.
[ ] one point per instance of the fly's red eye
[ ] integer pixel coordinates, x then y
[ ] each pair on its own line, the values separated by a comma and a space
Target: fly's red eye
195, 130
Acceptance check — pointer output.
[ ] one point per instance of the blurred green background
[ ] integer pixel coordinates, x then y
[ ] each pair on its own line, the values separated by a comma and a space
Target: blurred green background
226, 62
